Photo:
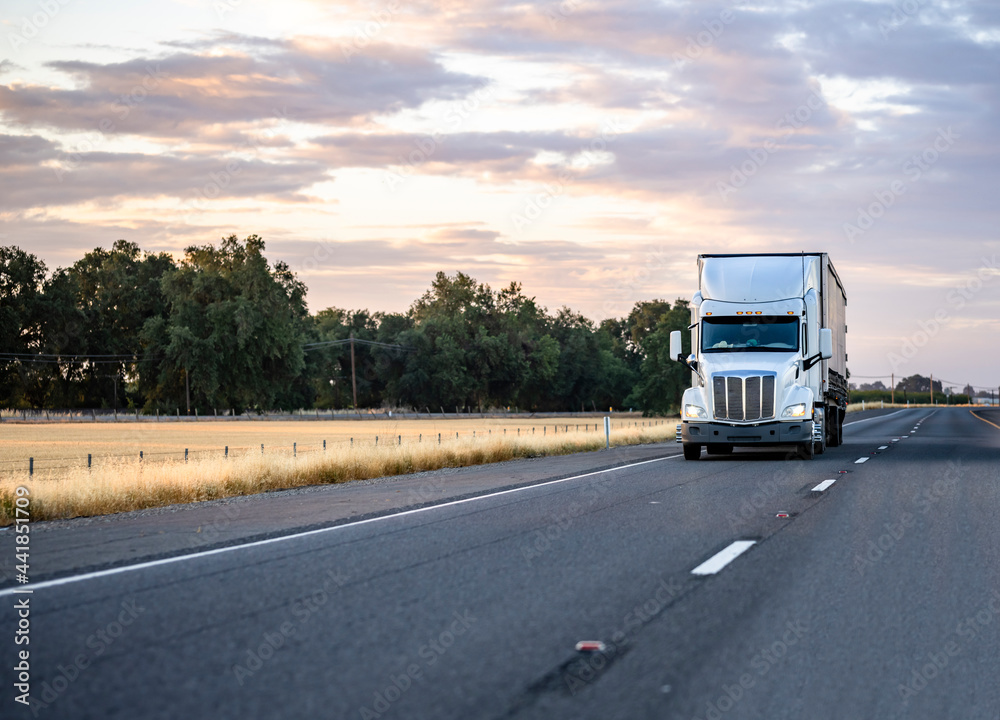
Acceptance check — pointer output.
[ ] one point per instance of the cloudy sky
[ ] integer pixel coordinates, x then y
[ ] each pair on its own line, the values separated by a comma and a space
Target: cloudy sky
589, 150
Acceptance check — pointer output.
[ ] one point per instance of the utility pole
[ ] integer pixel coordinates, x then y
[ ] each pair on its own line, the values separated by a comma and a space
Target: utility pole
354, 377
932, 388
892, 383
187, 388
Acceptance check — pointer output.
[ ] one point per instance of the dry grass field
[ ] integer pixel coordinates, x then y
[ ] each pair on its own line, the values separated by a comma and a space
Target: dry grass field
60, 446
63, 486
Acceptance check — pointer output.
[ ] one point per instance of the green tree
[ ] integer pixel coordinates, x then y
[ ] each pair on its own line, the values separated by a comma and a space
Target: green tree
662, 380
918, 383
375, 367
235, 327
473, 347
115, 293
22, 315
589, 375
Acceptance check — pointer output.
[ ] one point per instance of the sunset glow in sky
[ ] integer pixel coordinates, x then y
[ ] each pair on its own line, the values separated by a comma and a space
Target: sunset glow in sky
589, 150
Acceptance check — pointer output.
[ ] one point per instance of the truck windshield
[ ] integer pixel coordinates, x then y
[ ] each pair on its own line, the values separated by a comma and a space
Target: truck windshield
764, 334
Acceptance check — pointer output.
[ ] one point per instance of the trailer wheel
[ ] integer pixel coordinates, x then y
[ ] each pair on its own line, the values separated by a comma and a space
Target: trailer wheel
692, 451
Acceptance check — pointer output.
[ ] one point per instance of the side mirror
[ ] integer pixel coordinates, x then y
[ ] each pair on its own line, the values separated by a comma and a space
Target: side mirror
675, 346
826, 343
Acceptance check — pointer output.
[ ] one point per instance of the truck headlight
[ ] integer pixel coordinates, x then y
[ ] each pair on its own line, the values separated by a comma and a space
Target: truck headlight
794, 411
694, 411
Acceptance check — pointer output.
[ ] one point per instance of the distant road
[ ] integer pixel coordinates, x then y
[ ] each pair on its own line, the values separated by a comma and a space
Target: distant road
876, 595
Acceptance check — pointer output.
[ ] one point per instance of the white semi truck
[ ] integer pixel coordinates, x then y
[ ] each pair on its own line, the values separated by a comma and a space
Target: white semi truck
768, 355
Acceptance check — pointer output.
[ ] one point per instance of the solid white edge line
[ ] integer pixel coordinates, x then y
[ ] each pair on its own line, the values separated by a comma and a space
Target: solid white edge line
824, 485
860, 460
259, 543
722, 558
877, 417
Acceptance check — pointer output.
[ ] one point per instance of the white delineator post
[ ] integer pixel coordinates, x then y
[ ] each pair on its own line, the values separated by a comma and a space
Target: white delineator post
607, 433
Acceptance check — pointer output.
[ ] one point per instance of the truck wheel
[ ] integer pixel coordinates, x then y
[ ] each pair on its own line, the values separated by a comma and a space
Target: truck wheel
692, 451
719, 449
831, 428
836, 438
806, 451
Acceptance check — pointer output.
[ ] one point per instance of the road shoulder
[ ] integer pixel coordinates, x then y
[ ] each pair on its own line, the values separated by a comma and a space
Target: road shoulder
63, 547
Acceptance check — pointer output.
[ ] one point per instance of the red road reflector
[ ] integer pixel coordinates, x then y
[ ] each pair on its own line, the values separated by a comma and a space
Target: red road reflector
843, 472
590, 646
782, 515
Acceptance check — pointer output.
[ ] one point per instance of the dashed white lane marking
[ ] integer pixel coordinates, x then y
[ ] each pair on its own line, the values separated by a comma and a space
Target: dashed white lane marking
824, 485
722, 558
860, 460
883, 447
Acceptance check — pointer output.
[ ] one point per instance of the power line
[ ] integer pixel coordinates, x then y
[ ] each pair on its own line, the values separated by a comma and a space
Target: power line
44, 361
69, 355
101, 359
315, 346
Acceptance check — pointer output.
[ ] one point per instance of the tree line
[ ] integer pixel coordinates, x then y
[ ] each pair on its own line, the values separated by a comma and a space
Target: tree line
914, 388
225, 329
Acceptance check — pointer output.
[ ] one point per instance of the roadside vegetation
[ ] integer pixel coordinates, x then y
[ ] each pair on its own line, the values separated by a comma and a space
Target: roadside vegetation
124, 485
225, 330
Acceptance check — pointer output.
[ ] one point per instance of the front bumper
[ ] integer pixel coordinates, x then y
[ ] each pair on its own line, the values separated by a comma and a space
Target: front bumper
766, 433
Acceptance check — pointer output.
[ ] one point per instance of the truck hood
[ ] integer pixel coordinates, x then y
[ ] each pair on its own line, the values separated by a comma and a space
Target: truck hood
749, 363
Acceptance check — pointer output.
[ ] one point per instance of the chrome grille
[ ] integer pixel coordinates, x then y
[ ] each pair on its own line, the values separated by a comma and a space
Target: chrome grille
719, 395
734, 396
738, 398
752, 388
767, 397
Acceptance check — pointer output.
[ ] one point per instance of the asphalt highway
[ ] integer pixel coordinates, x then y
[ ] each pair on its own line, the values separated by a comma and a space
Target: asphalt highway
742, 586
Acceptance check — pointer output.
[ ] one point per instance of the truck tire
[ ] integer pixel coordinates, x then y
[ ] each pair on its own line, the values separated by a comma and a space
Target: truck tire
806, 451
836, 438
719, 449
832, 416
692, 451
